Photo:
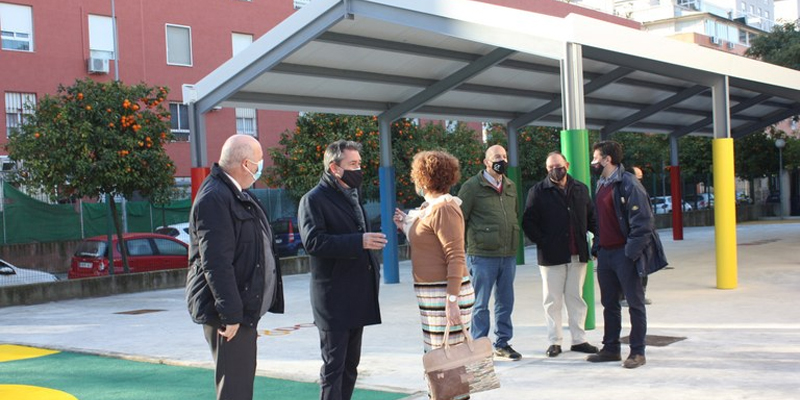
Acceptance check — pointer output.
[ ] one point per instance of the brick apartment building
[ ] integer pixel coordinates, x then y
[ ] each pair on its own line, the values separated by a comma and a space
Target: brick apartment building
46, 43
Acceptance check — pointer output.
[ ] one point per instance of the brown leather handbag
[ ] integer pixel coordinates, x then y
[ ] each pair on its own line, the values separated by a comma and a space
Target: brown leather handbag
458, 370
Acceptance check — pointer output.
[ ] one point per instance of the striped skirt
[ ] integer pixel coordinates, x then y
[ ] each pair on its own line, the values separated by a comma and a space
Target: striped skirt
431, 297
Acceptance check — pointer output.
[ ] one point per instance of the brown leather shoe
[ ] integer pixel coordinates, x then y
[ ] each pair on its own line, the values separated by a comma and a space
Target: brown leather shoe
604, 356
634, 361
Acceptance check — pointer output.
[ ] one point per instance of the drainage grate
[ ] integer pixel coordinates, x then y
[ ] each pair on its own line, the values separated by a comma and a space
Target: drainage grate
654, 340
137, 312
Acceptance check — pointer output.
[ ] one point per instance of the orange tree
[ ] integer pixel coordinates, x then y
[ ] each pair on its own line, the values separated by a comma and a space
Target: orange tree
92, 139
297, 161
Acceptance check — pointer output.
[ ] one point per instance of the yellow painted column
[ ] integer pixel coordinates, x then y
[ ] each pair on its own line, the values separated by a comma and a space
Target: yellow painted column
725, 213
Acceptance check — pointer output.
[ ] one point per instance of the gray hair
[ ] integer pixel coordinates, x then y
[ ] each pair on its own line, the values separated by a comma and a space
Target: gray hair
335, 152
236, 149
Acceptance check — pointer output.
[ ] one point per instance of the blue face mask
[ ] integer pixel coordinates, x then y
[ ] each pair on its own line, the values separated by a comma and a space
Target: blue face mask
260, 168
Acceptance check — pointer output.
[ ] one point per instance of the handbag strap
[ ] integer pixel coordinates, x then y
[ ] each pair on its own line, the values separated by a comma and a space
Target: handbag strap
467, 338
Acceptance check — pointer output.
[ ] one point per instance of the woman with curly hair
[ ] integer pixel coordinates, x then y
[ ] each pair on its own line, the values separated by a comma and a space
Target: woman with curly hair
435, 233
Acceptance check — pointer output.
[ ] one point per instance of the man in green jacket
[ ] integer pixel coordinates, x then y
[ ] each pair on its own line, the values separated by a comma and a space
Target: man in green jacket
489, 204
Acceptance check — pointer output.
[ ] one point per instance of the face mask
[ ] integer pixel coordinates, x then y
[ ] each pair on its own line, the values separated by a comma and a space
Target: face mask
260, 168
500, 167
557, 174
352, 178
597, 169
421, 192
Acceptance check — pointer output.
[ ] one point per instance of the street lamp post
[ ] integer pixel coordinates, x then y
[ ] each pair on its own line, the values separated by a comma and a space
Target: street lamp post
780, 144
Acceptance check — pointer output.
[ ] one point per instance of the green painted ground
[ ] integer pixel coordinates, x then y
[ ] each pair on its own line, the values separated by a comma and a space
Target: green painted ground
90, 377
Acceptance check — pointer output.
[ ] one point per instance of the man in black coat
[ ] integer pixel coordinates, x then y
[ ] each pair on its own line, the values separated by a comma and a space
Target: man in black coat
234, 277
344, 273
558, 213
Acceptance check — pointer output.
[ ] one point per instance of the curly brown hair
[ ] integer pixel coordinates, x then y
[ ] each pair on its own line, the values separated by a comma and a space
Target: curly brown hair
435, 171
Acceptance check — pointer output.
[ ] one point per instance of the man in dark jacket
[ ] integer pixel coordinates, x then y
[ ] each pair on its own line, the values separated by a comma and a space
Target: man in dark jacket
558, 213
627, 248
344, 273
234, 277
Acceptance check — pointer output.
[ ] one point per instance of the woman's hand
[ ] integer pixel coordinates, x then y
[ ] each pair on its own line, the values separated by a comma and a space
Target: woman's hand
399, 218
453, 312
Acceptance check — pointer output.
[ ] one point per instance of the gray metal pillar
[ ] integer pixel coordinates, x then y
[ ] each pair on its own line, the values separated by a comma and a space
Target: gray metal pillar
572, 88
197, 137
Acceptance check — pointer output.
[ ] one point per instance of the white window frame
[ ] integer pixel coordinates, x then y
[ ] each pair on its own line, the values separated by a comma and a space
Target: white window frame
16, 24
166, 41
238, 41
247, 121
182, 132
18, 105
101, 37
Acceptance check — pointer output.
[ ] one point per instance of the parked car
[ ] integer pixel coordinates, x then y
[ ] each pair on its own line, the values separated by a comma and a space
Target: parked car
701, 201
11, 275
663, 204
287, 237
743, 198
178, 231
146, 252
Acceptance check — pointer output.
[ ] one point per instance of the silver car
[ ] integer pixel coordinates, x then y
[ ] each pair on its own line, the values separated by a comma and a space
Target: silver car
11, 275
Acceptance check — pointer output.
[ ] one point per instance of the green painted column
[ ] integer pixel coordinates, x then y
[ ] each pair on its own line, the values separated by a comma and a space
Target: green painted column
513, 173
575, 147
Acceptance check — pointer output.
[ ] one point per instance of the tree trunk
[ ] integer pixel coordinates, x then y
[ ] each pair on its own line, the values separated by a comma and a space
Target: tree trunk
123, 248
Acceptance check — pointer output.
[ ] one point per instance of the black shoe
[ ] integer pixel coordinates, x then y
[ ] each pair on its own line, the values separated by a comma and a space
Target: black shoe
634, 361
553, 350
604, 356
584, 347
507, 353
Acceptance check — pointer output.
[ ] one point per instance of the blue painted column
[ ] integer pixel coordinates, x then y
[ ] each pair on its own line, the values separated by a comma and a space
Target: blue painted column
386, 175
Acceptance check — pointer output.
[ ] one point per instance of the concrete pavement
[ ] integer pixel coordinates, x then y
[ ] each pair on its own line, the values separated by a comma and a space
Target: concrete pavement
739, 344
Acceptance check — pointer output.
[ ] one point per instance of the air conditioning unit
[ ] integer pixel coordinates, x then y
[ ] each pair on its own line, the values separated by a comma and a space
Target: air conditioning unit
731, 45
716, 40
98, 66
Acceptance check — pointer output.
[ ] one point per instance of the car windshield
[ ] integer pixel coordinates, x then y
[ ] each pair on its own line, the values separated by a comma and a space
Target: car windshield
280, 227
91, 248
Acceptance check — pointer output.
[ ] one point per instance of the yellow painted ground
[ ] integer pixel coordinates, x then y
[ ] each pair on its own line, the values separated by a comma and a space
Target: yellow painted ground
24, 392
10, 352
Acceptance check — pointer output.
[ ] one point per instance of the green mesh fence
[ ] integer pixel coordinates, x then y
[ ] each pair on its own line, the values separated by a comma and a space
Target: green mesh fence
26, 220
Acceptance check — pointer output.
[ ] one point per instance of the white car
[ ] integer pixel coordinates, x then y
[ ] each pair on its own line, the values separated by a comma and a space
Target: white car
663, 204
11, 275
178, 231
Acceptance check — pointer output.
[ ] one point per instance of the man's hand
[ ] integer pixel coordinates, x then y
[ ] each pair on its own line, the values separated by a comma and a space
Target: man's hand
228, 331
374, 241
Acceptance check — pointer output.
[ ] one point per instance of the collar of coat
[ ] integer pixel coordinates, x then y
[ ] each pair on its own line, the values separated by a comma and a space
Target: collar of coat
218, 173
506, 183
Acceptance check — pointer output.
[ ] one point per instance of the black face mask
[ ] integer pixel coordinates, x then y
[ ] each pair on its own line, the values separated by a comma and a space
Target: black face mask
557, 174
500, 167
353, 178
596, 169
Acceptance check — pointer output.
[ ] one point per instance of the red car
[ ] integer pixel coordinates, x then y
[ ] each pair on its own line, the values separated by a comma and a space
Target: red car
146, 252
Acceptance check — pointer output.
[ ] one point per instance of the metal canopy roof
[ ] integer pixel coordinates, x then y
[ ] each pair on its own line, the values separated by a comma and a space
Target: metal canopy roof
465, 60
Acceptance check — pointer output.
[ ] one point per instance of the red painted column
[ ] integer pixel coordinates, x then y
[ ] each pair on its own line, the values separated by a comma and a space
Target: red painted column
677, 203
198, 175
